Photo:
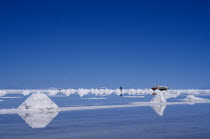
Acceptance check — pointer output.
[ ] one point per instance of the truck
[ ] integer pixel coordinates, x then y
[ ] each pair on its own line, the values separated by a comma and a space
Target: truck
161, 88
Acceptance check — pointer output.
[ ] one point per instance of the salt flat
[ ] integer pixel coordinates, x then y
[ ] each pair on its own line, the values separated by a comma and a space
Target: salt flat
111, 117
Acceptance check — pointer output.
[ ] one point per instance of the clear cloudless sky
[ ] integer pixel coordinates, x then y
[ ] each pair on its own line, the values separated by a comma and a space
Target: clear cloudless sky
104, 43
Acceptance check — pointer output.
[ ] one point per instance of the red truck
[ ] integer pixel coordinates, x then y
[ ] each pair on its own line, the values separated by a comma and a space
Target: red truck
161, 88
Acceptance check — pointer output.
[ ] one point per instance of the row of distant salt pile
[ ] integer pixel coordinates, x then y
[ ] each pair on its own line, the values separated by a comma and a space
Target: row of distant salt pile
104, 92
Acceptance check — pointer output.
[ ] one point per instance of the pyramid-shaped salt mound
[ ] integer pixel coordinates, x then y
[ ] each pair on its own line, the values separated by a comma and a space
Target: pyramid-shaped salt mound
159, 98
38, 102
194, 98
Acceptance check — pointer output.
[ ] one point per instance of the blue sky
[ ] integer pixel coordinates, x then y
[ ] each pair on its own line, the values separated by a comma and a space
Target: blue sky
107, 43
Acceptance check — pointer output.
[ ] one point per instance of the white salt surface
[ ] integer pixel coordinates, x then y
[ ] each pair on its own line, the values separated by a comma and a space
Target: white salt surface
94, 98
134, 96
10, 97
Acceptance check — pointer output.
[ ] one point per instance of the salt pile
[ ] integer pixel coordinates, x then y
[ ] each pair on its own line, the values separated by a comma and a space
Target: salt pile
193, 98
38, 102
159, 98
38, 110
2, 93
